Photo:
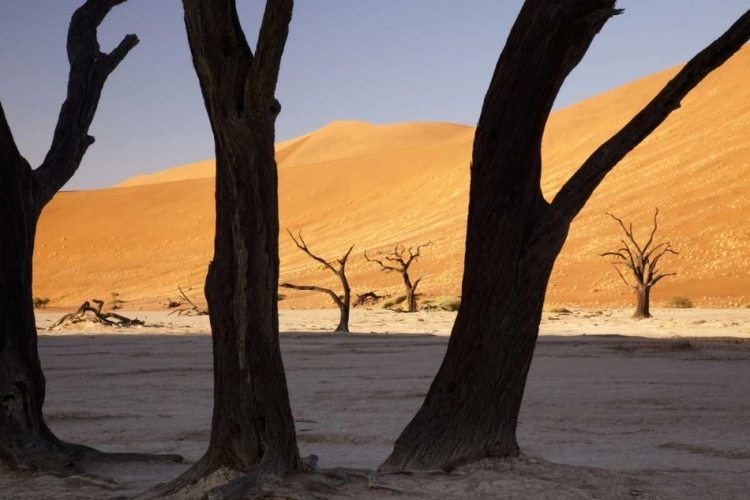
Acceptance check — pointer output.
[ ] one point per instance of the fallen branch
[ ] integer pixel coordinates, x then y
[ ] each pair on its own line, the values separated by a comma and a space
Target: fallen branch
192, 310
88, 314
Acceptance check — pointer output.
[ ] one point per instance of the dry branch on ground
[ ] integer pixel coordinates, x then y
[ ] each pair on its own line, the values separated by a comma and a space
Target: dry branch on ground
94, 315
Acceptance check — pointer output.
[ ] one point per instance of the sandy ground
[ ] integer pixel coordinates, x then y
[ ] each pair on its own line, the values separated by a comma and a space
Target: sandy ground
606, 415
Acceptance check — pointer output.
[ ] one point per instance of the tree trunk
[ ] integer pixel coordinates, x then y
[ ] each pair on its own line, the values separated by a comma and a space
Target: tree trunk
642, 294
252, 419
513, 237
252, 427
472, 407
411, 295
22, 384
344, 306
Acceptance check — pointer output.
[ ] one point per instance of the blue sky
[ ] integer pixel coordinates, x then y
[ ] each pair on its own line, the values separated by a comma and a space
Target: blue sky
381, 61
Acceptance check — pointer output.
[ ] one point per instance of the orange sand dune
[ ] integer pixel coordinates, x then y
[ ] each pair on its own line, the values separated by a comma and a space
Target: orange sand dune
375, 186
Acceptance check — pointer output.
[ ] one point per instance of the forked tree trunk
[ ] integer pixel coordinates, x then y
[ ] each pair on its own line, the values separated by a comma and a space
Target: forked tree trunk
252, 427
514, 235
642, 294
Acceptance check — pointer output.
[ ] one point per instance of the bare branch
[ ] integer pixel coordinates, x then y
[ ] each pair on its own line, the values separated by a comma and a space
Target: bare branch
330, 292
653, 231
623, 277
303, 246
9, 154
667, 249
415, 255
578, 189
89, 70
384, 267
658, 278
270, 47
342, 260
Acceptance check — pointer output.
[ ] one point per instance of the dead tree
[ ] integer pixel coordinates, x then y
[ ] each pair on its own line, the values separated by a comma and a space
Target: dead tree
642, 262
514, 234
25, 440
252, 428
190, 310
96, 317
399, 262
342, 302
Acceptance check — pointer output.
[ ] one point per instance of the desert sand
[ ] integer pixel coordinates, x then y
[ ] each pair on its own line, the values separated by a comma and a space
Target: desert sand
376, 186
614, 408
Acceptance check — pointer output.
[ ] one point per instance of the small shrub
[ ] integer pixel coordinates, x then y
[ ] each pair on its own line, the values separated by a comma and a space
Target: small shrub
39, 302
680, 303
394, 301
449, 303
746, 306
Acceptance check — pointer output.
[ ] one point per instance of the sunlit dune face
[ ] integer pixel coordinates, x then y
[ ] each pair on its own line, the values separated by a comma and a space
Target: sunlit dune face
376, 186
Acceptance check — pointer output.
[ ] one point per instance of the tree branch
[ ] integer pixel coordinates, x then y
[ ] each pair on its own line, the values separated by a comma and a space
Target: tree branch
333, 295
658, 278
384, 267
303, 246
270, 47
578, 189
221, 54
653, 232
9, 154
621, 276
89, 70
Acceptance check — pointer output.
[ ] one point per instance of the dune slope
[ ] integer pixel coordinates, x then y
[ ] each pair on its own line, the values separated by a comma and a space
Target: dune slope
376, 186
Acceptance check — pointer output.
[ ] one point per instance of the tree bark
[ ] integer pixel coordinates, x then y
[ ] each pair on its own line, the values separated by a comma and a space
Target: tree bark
642, 294
22, 383
252, 427
25, 440
514, 235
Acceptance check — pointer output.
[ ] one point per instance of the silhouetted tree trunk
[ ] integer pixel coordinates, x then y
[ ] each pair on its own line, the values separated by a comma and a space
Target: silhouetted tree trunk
514, 235
399, 262
25, 440
343, 303
642, 262
252, 428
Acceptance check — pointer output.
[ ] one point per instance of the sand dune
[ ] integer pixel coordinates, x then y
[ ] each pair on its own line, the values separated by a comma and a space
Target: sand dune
375, 186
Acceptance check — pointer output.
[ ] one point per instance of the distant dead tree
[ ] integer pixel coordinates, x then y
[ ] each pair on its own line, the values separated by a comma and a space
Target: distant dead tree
26, 442
398, 262
342, 302
642, 262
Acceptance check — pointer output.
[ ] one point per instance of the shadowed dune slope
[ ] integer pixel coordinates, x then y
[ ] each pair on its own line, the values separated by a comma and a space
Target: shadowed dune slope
375, 186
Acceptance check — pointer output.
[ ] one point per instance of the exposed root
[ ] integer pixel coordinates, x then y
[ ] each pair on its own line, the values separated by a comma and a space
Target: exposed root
88, 314
26, 453
270, 481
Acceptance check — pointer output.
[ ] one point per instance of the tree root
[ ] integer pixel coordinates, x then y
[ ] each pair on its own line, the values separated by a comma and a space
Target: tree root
313, 484
26, 453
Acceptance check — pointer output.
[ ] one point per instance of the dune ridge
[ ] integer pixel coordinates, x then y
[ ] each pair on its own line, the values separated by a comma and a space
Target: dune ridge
375, 186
